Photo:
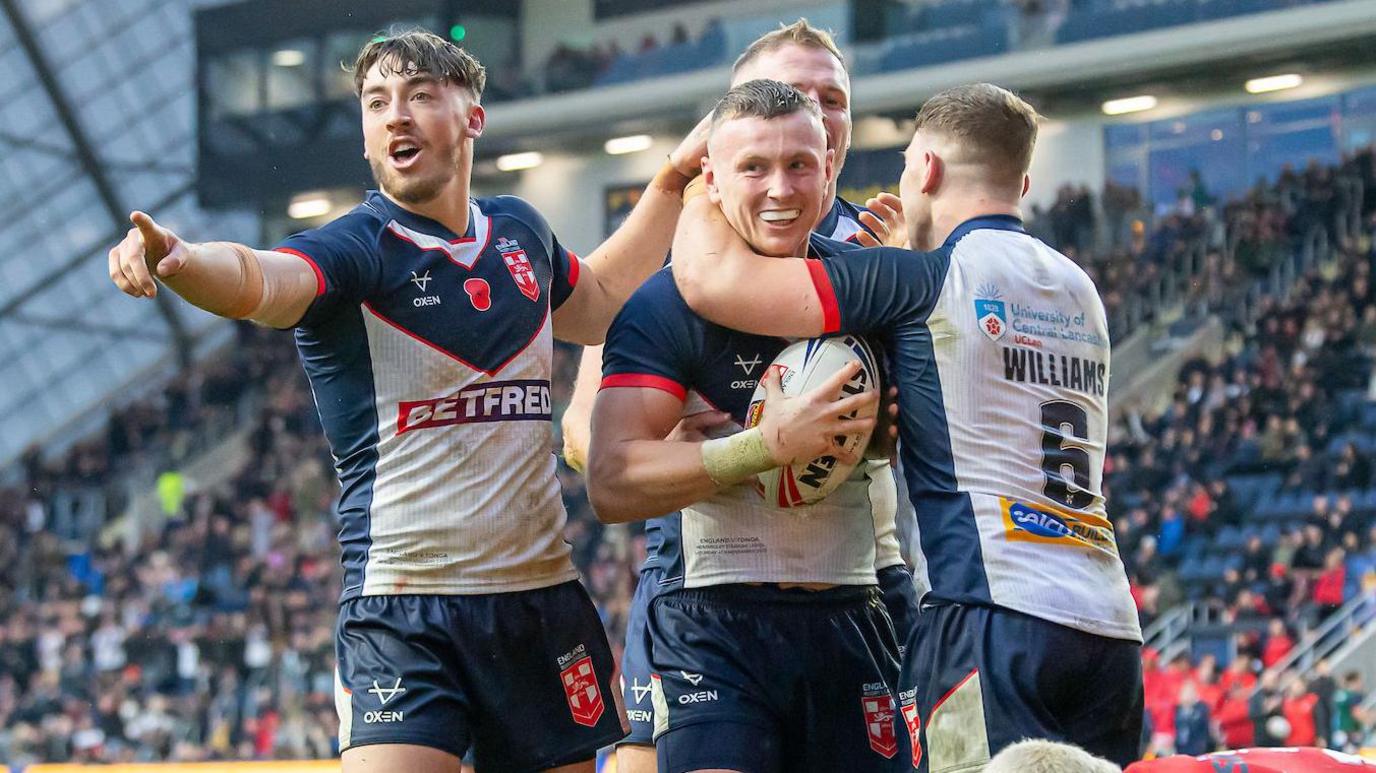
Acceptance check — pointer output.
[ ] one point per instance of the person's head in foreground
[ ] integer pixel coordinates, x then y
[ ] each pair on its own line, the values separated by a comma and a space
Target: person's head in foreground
971, 148
1034, 756
768, 166
807, 58
420, 97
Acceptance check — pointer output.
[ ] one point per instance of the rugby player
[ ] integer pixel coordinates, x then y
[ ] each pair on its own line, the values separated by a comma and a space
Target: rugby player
424, 320
754, 580
807, 58
999, 347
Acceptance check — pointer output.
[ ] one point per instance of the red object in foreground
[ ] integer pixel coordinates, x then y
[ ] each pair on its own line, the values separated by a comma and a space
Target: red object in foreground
1259, 761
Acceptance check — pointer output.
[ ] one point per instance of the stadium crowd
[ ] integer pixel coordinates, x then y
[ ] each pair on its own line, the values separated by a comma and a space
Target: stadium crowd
209, 634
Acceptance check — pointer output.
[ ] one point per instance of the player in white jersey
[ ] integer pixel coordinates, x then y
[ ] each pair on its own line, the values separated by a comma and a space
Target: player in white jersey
424, 320
1000, 350
807, 58
755, 580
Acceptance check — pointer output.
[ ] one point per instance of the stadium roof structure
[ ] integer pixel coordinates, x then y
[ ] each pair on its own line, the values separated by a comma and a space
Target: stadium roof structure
97, 117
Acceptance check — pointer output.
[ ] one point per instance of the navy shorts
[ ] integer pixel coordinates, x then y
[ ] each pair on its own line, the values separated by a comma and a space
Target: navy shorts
635, 660
524, 678
759, 679
900, 599
978, 679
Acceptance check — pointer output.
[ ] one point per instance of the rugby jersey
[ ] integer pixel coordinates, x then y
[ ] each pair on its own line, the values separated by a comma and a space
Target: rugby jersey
429, 355
1000, 350
735, 535
895, 526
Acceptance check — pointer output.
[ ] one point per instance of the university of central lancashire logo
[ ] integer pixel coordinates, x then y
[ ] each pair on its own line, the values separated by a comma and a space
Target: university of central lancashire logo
514, 256
990, 312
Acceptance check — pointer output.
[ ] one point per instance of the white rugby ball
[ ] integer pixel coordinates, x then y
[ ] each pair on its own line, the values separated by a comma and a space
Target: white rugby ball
801, 367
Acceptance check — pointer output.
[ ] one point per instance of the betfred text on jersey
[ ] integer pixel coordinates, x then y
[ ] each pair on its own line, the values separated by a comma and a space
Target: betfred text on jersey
1036, 367
491, 401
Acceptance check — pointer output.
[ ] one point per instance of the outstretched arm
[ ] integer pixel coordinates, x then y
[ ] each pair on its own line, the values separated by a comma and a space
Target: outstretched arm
724, 280
224, 278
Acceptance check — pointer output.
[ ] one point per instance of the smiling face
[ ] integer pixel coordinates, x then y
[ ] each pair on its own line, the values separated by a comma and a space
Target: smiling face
417, 131
770, 177
818, 74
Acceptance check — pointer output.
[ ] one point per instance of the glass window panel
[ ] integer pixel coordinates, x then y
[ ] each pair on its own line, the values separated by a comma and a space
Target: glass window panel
232, 84
291, 72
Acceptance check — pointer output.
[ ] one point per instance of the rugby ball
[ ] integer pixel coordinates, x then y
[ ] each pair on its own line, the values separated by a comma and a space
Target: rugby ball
802, 366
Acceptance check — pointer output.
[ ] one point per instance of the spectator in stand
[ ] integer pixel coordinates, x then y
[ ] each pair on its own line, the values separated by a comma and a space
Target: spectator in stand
1235, 726
1206, 683
1193, 724
1278, 643
1330, 587
1323, 686
1298, 708
1264, 707
1349, 719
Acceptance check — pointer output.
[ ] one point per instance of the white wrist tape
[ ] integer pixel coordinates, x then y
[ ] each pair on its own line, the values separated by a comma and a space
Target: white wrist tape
730, 460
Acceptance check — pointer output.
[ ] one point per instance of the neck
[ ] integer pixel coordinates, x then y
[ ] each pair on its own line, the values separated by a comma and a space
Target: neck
947, 215
448, 207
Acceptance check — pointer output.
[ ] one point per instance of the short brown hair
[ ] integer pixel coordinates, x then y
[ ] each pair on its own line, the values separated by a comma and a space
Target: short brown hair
763, 98
800, 33
416, 51
995, 127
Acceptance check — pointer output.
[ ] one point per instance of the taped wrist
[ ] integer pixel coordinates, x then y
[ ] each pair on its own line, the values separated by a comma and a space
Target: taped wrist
671, 180
730, 460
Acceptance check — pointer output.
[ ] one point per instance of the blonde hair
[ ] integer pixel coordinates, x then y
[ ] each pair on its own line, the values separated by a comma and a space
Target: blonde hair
799, 33
993, 126
1036, 756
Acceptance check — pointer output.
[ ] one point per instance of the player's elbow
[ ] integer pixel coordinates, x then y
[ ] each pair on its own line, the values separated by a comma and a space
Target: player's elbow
607, 489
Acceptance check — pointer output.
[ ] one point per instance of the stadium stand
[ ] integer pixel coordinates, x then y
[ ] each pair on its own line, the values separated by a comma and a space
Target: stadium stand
211, 637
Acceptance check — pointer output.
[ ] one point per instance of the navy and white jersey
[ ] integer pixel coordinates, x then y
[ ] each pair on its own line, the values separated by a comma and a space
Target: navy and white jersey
429, 355
1000, 349
842, 224
735, 536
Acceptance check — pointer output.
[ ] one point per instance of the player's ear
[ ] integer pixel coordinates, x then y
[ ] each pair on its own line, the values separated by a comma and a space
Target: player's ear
1026, 184
830, 164
477, 119
932, 172
709, 179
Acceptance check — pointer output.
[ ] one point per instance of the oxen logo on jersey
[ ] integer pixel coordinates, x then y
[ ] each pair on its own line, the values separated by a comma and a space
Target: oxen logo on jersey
748, 365
519, 266
879, 721
914, 724
422, 281
580, 687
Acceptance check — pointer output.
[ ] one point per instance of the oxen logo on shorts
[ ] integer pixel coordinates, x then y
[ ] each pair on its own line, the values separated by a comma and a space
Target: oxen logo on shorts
580, 687
879, 724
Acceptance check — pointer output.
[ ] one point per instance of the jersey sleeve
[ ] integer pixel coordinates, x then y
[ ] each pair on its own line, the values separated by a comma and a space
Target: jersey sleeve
564, 263
344, 260
650, 342
871, 289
